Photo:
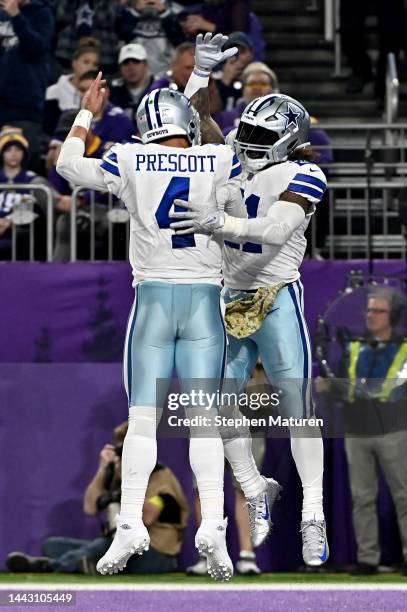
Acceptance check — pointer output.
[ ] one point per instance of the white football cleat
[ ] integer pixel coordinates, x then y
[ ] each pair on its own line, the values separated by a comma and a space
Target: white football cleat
210, 541
131, 538
260, 509
315, 549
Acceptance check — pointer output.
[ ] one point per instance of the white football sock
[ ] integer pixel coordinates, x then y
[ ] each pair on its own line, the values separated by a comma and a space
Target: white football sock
138, 459
308, 454
207, 462
238, 452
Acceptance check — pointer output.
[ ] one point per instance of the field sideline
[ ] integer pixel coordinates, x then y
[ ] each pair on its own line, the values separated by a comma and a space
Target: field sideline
177, 592
291, 580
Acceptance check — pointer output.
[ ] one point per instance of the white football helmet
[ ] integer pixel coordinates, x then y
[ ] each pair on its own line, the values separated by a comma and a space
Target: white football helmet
166, 112
270, 129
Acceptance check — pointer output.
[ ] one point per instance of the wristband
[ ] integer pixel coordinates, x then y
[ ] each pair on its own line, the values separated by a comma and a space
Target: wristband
83, 119
199, 79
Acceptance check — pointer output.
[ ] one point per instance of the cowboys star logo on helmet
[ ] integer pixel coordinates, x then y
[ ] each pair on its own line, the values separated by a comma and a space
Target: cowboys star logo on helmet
270, 129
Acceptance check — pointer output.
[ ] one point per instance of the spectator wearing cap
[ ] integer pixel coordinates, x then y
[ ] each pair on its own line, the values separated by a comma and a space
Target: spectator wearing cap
136, 78
229, 78
64, 94
156, 25
26, 32
218, 16
13, 171
257, 80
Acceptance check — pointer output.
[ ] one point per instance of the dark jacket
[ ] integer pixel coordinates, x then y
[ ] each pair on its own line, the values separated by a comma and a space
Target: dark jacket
25, 45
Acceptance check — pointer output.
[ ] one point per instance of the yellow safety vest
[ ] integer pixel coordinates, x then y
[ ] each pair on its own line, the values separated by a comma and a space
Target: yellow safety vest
387, 386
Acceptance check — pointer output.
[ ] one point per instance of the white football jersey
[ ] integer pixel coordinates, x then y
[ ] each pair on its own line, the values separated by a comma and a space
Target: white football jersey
148, 178
250, 266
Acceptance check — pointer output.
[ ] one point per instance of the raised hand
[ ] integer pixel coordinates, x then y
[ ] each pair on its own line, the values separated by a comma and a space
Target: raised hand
208, 51
94, 98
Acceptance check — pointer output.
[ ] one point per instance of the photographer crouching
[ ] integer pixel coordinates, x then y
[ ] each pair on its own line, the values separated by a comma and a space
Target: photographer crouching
165, 514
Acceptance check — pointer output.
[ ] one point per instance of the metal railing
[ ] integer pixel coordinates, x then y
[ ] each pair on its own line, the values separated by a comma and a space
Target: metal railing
362, 221
20, 217
392, 95
109, 214
332, 31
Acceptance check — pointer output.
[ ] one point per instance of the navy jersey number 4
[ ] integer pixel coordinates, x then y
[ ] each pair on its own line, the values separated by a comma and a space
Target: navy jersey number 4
252, 205
178, 188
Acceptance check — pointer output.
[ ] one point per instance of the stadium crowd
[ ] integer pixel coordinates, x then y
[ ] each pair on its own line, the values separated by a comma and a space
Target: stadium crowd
49, 52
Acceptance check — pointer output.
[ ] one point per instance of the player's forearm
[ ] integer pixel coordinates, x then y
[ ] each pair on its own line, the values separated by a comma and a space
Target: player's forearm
210, 131
75, 168
273, 230
197, 91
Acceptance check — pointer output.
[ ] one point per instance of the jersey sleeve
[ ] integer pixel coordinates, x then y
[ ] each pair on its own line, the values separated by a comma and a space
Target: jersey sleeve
111, 171
309, 182
228, 192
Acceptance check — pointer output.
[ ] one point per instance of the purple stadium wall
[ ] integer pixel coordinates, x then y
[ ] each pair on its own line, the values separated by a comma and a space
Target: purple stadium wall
61, 395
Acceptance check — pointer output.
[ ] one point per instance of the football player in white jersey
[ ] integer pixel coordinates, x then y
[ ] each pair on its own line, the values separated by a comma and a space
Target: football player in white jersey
262, 254
176, 320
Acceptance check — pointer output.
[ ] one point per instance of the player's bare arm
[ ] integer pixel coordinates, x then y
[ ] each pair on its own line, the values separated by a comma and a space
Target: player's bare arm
210, 131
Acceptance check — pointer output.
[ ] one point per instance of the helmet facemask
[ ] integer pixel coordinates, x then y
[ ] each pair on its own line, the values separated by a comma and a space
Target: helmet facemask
270, 129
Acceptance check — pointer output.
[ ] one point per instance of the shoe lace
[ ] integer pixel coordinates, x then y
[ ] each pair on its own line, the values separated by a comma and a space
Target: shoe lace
313, 533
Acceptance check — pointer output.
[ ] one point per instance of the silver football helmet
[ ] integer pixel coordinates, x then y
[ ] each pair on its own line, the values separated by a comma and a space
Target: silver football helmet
164, 113
270, 129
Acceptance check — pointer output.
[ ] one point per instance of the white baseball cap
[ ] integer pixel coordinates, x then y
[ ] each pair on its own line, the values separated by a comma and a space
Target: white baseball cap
132, 51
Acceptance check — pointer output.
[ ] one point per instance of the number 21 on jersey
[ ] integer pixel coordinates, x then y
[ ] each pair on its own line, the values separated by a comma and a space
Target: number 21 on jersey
252, 205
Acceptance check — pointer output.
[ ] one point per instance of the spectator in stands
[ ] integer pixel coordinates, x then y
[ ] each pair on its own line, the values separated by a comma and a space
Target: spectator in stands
218, 16
76, 19
64, 94
374, 402
182, 66
26, 32
225, 17
229, 78
136, 78
155, 24
391, 31
165, 514
13, 170
110, 126
257, 80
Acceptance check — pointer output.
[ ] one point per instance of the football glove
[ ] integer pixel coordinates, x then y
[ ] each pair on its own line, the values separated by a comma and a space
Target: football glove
196, 220
208, 51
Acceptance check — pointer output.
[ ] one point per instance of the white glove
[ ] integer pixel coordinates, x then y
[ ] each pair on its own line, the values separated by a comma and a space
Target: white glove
208, 51
196, 219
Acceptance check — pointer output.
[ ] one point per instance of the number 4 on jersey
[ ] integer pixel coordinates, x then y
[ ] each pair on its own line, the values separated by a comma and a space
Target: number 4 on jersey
178, 188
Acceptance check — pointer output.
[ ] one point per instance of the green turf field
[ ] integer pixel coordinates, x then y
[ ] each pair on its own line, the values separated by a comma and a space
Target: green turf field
178, 578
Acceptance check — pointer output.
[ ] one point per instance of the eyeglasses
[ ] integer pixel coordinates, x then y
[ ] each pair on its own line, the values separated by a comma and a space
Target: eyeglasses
377, 311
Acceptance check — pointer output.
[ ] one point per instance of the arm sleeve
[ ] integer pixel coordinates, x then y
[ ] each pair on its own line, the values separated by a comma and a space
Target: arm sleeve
281, 221
309, 182
78, 170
